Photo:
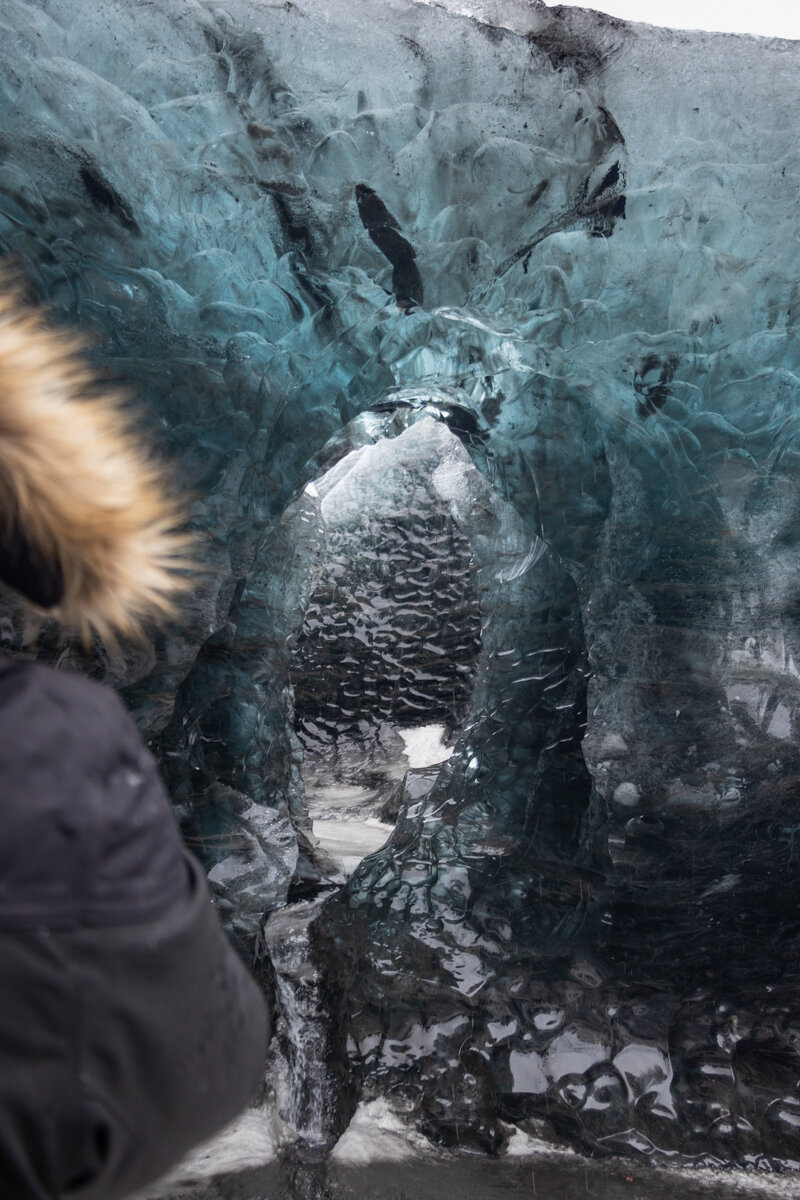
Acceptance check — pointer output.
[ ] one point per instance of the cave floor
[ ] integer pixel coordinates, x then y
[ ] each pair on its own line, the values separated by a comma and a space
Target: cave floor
249, 1162
468, 1177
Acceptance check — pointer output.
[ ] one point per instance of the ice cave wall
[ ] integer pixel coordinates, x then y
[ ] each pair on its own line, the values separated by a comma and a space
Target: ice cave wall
571, 244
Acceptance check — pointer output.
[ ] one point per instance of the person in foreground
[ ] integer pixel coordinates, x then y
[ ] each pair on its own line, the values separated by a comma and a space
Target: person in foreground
129, 1029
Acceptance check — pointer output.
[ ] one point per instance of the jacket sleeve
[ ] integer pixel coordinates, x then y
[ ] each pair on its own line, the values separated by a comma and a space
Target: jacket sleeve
129, 1029
176, 1036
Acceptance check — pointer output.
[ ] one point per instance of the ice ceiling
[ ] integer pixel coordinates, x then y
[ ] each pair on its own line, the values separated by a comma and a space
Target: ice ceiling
538, 270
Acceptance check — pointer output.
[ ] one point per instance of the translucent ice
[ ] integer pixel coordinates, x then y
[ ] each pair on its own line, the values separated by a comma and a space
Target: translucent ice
538, 268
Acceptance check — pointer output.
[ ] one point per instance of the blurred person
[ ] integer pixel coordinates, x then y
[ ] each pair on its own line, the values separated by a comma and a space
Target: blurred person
129, 1029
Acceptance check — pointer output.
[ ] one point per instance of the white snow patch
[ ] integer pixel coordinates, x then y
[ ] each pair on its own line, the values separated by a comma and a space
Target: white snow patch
376, 1134
425, 746
524, 1145
250, 1141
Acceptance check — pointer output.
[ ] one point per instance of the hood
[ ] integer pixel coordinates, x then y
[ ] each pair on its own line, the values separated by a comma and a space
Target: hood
88, 532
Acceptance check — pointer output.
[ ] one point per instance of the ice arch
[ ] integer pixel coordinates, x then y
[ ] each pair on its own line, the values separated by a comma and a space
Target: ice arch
527, 714
500, 854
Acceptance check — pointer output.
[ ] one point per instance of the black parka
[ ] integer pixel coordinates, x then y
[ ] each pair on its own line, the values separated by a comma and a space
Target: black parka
129, 1030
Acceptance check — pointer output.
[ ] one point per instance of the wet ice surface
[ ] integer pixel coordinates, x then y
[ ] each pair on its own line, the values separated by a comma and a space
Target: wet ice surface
487, 397
345, 818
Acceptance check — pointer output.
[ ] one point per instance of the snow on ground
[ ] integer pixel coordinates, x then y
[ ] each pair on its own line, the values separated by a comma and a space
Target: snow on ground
377, 1135
250, 1141
347, 841
378, 1156
425, 746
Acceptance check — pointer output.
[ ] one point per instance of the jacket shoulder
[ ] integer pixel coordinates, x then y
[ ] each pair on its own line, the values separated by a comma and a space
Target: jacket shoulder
89, 836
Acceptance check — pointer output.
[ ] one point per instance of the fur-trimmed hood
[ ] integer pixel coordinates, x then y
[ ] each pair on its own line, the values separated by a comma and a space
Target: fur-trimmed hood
87, 529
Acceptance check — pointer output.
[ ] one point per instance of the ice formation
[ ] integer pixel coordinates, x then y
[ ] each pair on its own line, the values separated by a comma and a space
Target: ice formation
472, 333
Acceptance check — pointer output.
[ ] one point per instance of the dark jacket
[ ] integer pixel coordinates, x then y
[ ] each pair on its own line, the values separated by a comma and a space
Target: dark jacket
129, 1030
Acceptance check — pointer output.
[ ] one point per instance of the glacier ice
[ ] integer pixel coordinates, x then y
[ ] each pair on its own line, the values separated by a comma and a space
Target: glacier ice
482, 315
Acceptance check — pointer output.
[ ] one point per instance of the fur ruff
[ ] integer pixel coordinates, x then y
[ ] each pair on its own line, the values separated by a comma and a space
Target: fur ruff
76, 481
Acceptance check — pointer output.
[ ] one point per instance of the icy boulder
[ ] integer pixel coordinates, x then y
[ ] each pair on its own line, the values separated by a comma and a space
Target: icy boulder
554, 257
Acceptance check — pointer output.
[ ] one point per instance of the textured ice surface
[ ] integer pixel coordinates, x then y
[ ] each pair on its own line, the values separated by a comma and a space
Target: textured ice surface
526, 283
348, 841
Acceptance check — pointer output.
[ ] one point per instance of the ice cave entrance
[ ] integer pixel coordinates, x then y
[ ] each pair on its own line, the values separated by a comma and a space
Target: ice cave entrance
384, 664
